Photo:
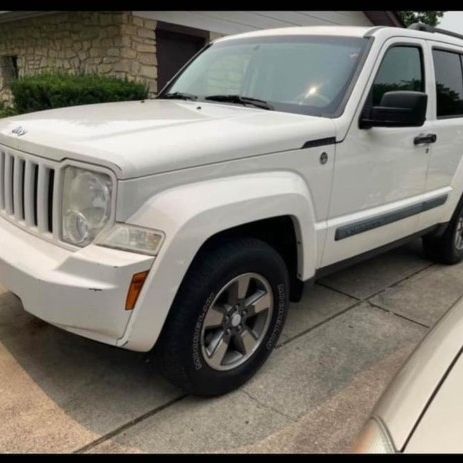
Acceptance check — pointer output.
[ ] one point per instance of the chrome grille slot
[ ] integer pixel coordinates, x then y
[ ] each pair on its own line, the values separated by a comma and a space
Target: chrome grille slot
29, 194
42, 198
8, 183
18, 188
51, 188
27, 191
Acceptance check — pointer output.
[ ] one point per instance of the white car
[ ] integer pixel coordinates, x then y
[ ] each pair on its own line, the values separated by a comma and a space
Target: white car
273, 157
421, 410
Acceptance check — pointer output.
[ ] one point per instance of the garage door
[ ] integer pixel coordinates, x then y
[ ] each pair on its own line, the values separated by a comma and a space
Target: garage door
174, 49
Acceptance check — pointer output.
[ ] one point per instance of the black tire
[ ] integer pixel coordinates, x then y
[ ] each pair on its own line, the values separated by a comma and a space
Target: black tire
179, 349
444, 249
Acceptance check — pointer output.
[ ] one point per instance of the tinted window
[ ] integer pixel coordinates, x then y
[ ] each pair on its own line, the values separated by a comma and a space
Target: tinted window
401, 69
449, 83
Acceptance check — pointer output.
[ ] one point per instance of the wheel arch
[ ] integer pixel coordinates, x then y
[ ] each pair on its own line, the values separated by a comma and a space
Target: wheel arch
282, 233
263, 205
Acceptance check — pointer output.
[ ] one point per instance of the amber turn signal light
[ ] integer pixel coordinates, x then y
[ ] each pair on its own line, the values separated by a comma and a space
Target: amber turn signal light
134, 289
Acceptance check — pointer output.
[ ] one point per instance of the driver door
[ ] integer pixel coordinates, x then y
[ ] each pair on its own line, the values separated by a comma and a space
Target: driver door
380, 174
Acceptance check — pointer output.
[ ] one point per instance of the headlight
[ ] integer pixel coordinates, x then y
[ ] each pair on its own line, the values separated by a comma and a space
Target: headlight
131, 238
86, 204
374, 439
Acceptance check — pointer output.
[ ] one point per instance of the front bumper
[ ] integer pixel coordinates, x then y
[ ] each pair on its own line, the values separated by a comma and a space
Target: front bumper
81, 291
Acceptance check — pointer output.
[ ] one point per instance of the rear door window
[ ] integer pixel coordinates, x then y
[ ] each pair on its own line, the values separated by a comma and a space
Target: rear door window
449, 83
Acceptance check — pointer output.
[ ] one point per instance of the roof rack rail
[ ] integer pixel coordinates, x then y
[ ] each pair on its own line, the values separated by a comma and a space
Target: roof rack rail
427, 28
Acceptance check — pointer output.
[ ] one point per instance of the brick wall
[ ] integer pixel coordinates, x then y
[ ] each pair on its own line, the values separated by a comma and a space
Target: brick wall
113, 43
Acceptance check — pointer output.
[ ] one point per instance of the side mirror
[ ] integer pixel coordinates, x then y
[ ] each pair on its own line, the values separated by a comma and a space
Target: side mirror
396, 109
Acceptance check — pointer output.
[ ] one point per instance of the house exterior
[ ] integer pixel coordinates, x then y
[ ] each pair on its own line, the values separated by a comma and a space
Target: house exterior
145, 46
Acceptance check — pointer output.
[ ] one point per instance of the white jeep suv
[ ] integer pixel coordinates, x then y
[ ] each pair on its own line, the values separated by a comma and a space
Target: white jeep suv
273, 157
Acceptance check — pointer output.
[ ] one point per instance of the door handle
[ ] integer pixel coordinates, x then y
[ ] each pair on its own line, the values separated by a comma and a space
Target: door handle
425, 138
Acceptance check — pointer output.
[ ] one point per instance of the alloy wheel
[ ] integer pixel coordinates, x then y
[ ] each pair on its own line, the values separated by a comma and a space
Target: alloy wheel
237, 321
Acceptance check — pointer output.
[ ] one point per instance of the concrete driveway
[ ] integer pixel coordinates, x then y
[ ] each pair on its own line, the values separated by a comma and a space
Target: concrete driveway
342, 345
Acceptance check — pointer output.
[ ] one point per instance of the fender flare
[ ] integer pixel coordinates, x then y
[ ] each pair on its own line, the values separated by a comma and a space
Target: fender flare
192, 213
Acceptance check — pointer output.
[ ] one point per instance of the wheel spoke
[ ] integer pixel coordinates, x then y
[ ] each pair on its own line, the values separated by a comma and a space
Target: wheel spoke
239, 289
214, 317
245, 341
218, 349
229, 337
459, 234
258, 302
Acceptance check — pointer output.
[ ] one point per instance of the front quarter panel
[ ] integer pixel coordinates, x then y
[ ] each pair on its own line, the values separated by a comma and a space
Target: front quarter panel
190, 214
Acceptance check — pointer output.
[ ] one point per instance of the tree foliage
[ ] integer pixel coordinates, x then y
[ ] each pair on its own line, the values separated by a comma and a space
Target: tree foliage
427, 17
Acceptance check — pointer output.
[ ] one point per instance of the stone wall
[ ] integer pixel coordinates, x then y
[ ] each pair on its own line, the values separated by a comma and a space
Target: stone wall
108, 43
7, 75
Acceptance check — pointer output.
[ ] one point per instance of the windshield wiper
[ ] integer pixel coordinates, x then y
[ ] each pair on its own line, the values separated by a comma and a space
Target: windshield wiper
179, 96
241, 100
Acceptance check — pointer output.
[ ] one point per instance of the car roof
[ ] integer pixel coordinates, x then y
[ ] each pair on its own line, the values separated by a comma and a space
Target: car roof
348, 31
351, 31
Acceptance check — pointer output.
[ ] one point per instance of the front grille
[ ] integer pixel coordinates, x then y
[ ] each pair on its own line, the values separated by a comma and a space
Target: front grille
27, 191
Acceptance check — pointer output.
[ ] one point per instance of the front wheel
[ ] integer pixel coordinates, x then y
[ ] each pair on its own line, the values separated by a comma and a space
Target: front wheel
226, 318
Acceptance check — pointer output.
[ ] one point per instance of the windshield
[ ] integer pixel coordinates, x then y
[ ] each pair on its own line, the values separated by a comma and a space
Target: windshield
299, 74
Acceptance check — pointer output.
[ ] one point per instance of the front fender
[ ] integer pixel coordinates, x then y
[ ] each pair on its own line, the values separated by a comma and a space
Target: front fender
190, 214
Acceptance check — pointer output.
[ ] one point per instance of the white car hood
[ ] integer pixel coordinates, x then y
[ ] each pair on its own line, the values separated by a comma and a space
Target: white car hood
142, 138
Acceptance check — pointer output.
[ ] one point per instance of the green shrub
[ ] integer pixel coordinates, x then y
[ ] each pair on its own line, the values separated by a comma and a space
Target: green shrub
46, 91
6, 111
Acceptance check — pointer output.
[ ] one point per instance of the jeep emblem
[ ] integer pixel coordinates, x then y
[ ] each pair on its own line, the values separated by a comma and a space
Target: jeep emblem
19, 131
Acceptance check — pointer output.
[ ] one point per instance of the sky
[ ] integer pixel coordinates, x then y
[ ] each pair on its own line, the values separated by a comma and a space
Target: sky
453, 21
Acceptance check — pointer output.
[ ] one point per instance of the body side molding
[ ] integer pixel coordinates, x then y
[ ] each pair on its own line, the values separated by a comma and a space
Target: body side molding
362, 226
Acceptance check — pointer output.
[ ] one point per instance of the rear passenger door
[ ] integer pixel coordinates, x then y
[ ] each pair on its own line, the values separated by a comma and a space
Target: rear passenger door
447, 109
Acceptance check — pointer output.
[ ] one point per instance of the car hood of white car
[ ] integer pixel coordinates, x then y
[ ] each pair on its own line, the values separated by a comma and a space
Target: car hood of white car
139, 138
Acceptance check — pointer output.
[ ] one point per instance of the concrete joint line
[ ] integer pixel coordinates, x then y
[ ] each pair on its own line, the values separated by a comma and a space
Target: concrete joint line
339, 291
355, 304
358, 302
405, 278
269, 407
379, 291
375, 306
128, 425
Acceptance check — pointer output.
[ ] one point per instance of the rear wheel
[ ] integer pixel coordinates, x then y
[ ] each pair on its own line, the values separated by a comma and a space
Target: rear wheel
226, 318
448, 248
